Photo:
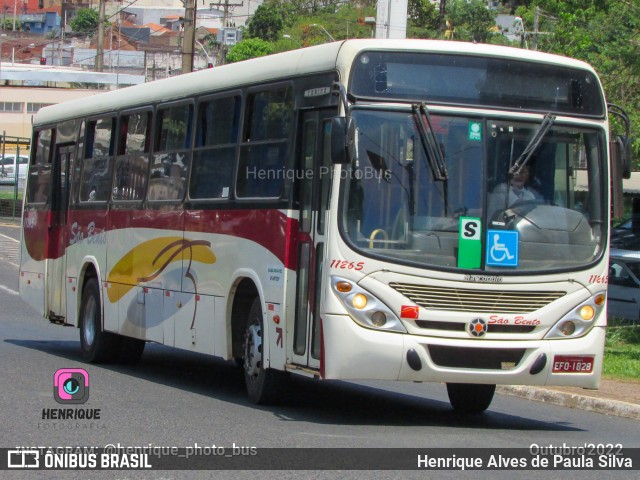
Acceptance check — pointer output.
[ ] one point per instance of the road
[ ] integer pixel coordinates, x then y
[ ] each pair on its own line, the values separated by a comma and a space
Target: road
174, 398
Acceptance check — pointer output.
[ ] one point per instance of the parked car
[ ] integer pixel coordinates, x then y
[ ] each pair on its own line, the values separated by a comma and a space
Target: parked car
623, 298
8, 168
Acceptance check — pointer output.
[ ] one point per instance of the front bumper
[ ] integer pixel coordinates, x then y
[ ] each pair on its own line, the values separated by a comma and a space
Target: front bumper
353, 352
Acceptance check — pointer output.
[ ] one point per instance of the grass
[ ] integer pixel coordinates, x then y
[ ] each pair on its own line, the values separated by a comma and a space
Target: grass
622, 350
9, 195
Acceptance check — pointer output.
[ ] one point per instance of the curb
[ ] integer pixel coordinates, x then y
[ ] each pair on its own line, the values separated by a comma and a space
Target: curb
571, 400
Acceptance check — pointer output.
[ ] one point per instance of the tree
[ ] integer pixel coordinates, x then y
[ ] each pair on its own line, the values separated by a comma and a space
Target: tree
7, 24
267, 22
423, 19
471, 19
249, 48
85, 22
602, 33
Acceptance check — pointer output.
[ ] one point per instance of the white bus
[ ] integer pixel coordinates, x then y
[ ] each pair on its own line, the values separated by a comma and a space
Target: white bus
365, 209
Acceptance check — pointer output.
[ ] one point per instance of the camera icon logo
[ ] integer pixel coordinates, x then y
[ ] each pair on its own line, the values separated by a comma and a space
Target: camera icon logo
71, 385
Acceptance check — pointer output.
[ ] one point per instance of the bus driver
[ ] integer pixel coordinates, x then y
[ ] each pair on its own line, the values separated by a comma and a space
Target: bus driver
519, 187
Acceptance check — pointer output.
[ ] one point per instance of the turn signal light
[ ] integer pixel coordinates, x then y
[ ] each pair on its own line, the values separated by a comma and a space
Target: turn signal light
343, 287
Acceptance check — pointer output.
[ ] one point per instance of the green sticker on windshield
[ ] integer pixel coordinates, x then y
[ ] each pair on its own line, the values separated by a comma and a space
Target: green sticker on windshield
475, 131
470, 242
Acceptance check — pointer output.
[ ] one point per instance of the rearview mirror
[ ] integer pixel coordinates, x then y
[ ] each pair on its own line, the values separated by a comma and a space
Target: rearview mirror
621, 153
618, 170
343, 135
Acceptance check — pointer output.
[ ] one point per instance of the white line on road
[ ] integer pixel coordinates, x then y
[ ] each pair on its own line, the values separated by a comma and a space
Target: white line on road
9, 238
8, 290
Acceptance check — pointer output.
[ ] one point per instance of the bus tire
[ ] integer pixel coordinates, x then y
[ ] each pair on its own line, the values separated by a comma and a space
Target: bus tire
470, 398
97, 345
263, 384
130, 350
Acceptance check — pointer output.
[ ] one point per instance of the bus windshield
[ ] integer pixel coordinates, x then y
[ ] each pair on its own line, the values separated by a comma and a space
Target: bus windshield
543, 214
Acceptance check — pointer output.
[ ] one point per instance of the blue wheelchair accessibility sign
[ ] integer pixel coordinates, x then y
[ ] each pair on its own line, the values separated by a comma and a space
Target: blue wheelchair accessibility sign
502, 248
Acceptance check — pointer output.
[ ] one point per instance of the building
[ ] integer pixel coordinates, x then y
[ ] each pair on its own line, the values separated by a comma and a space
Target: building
24, 89
43, 23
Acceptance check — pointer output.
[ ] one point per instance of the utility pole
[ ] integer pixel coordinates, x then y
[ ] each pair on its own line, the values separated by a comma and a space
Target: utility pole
441, 13
226, 8
100, 41
188, 35
536, 25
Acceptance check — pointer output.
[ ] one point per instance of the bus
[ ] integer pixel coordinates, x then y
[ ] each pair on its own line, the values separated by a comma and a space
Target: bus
344, 211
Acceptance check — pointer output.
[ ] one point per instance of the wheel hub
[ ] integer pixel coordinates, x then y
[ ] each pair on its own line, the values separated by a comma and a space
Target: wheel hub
253, 350
88, 323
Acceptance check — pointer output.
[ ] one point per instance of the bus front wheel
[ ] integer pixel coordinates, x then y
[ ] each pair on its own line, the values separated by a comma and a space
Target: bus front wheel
470, 398
96, 344
262, 383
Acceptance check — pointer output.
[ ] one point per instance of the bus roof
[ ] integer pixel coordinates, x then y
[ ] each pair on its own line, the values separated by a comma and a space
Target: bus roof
321, 58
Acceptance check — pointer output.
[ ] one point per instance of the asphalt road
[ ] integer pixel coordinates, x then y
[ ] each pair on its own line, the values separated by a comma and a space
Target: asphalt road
174, 398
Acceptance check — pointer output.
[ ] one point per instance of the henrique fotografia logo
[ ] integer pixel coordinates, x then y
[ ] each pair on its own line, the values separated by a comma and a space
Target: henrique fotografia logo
71, 385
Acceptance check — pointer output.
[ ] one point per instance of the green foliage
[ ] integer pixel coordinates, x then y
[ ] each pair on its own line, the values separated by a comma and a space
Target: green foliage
85, 22
7, 24
622, 332
622, 350
422, 19
267, 22
249, 48
471, 19
602, 33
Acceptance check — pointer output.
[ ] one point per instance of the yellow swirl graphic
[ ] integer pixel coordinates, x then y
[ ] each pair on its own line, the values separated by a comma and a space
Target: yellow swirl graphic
148, 260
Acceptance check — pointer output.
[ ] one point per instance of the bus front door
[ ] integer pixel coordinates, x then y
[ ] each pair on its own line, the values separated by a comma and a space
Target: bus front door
57, 233
313, 196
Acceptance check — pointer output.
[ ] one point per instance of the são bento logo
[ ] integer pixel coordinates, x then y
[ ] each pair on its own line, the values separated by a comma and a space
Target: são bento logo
71, 385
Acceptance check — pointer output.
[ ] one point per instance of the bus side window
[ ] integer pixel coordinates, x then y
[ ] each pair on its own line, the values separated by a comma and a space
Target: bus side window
171, 160
96, 171
261, 170
214, 158
40, 172
77, 164
130, 177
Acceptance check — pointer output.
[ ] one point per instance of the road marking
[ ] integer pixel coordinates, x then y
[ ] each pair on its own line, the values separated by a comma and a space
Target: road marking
10, 249
9, 238
9, 290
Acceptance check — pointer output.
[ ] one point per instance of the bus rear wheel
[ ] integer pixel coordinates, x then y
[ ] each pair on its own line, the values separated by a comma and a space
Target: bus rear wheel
470, 398
97, 345
263, 384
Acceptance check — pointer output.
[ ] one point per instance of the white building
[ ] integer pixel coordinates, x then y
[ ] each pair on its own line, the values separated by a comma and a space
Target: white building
24, 89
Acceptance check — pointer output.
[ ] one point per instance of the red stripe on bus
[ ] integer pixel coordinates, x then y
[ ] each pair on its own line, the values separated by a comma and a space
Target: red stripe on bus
271, 229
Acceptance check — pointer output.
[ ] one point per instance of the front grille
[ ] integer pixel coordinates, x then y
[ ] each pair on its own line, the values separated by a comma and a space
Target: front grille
468, 300
461, 327
478, 358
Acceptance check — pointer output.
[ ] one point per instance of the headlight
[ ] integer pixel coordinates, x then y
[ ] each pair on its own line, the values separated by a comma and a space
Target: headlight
364, 308
580, 320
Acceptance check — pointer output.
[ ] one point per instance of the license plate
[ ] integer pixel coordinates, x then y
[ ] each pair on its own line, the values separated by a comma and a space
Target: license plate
566, 364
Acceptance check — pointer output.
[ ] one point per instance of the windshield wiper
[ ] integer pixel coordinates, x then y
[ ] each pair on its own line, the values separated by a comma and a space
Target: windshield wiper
430, 143
533, 145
